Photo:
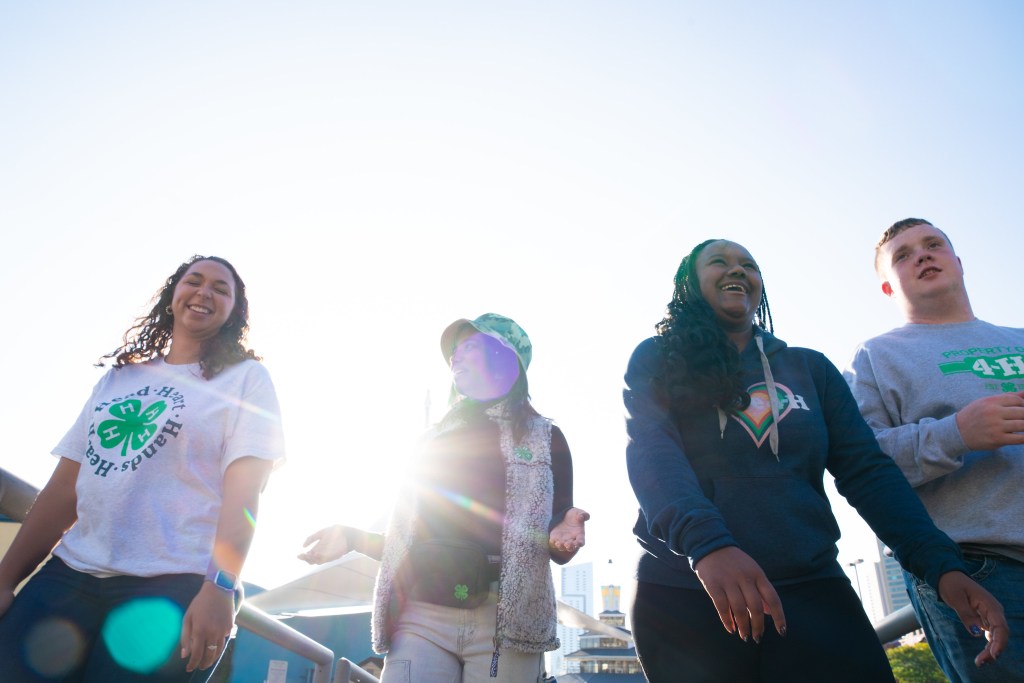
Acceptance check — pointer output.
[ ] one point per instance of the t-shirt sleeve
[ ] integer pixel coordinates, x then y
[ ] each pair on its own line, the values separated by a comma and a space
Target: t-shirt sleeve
257, 431
76, 440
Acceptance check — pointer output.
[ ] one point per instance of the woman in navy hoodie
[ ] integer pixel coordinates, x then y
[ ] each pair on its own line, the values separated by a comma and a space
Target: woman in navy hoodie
730, 433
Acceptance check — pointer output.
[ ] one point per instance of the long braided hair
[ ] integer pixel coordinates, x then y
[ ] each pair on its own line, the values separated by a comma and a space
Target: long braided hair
150, 335
701, 364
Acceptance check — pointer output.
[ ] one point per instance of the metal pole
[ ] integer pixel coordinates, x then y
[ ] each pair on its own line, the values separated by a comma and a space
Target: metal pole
262, 624
856, 573
16, 496
350, 672
898, 624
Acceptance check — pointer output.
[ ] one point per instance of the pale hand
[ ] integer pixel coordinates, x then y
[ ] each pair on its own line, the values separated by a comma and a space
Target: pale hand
979, 611
568, 535
741, 592
206, 626
325, 545
993, 421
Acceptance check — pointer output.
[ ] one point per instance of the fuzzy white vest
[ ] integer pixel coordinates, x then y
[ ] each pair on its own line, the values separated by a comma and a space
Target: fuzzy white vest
526, 594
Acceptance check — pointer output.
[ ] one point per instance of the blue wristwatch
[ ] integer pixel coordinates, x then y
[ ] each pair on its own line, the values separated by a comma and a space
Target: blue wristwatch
226, 581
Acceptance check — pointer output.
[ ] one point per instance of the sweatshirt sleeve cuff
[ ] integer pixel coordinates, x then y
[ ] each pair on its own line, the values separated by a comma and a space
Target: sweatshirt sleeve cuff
953, 563
948, 434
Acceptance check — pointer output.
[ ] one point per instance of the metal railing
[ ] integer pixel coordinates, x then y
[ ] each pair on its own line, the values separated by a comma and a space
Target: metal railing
263, 625
16, 497
898, 624
350, 672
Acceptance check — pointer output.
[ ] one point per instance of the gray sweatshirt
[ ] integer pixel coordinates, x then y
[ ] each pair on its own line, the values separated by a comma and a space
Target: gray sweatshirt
909, 383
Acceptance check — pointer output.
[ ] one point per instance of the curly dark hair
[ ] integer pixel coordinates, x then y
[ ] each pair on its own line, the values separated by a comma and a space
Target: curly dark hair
149, 336
701, 364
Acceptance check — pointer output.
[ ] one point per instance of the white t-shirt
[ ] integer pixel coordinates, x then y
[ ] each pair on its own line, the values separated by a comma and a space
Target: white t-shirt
153, 441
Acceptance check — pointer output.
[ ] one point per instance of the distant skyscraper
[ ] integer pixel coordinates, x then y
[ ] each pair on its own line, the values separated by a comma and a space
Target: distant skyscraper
890, 578
577, 592
864, 574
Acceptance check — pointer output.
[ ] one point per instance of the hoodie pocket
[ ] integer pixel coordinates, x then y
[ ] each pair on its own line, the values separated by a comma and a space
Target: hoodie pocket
783, 523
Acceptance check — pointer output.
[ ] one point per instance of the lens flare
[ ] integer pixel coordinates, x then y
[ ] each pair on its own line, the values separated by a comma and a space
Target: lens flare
473, 506
141, 634
54, 647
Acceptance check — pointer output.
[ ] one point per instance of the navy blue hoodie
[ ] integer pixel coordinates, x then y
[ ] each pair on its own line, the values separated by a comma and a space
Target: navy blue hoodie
701, 488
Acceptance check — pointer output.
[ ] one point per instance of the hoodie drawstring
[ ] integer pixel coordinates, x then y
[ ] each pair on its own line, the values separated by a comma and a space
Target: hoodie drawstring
773, 400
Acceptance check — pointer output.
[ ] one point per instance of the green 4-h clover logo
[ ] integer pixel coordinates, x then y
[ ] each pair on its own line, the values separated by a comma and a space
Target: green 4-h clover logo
461, 591
131, 425
523, 453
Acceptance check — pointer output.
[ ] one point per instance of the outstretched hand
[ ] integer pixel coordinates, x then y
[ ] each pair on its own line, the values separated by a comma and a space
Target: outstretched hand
741, 592
979, 611
325, 545
568, 536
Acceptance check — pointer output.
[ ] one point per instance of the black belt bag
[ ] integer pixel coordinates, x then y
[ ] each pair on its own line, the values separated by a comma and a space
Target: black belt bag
451, 573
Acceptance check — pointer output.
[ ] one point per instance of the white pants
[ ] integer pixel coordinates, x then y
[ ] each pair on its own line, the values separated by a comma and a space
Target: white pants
435, 644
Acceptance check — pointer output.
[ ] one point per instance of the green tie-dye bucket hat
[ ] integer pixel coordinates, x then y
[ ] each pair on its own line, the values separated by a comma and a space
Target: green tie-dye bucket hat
505, 330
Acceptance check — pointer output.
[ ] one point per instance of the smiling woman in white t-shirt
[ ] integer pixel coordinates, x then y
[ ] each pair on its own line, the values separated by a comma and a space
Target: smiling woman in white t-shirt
151, 509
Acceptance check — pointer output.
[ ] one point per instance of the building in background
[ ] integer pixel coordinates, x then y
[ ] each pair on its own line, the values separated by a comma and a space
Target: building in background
890, 579
603, 657
863, 575
577, 591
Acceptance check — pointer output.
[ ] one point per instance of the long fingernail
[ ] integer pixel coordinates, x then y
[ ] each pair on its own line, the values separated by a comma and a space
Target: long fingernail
757, 639
782, 631
975, 630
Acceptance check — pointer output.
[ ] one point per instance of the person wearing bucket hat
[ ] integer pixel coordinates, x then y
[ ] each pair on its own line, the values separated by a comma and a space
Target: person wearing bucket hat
503, 368
464, 591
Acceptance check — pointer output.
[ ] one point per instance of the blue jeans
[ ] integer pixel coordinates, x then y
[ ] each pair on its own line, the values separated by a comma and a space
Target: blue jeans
65, 625
953, 646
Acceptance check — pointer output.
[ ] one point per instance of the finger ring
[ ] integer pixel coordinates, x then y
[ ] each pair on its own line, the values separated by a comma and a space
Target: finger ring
211, 647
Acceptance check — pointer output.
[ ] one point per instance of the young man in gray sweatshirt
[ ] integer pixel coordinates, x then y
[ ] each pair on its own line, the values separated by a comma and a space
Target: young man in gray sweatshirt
944, 394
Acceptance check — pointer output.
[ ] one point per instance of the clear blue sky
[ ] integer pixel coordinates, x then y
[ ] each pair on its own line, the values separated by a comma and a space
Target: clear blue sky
376, 170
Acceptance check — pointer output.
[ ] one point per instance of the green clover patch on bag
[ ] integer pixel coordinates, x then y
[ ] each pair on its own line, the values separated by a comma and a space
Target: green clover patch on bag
449, 572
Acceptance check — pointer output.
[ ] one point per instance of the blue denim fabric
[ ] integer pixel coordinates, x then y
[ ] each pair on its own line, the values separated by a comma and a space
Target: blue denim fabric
953, 646
56, 627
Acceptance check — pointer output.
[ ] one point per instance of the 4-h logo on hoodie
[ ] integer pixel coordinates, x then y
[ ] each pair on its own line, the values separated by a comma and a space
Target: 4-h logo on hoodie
757, 418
